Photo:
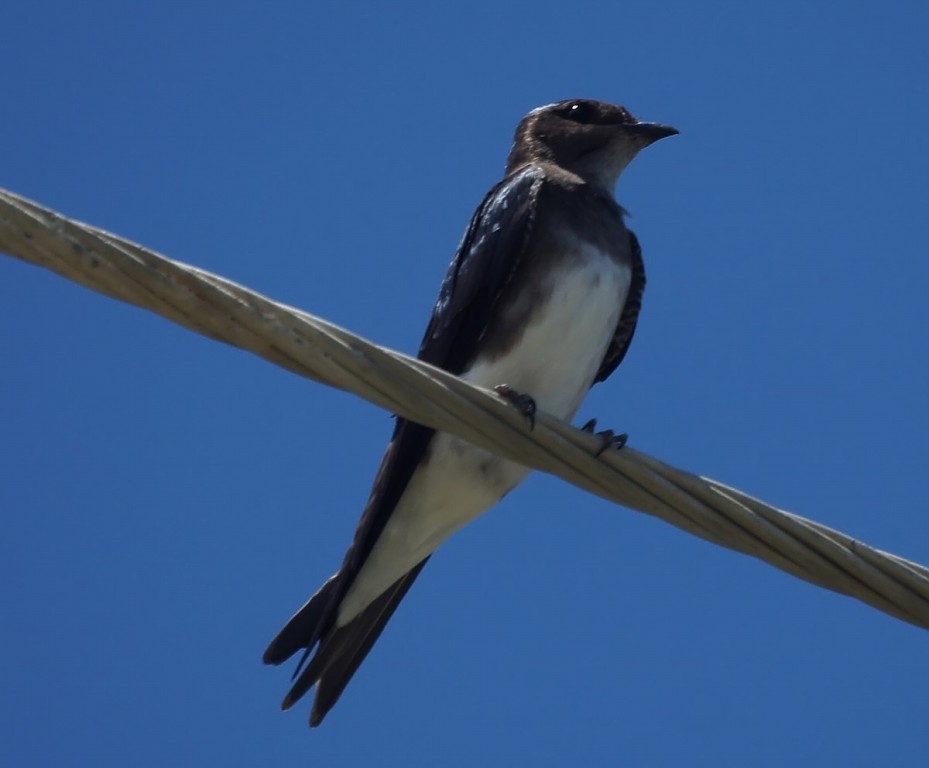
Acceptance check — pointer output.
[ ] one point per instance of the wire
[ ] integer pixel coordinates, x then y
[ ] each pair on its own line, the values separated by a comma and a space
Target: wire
323, 352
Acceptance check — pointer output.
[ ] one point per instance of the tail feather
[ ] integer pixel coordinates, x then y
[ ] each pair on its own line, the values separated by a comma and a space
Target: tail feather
304, 628
336, 675
341, 649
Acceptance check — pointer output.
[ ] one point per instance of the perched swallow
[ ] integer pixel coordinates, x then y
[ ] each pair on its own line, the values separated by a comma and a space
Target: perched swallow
543, 297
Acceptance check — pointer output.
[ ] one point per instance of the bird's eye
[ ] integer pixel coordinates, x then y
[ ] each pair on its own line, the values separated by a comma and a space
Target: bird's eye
580, 112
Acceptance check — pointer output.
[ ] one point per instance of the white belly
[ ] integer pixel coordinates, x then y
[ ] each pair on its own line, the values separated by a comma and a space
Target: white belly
554, 362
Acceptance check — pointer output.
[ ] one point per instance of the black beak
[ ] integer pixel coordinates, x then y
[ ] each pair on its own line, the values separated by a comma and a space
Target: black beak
650, 131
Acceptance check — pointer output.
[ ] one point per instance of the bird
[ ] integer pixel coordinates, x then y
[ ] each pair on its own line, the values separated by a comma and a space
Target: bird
540, 302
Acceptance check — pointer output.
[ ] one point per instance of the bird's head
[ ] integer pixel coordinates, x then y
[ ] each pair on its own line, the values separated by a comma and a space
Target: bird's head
593, 139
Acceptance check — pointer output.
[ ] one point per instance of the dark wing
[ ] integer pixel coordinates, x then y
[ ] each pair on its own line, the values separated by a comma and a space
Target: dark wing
485, 260
483, 265
625, 328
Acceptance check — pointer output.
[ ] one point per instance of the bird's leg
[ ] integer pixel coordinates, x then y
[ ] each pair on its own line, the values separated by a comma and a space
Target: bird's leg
610, 439
524, 403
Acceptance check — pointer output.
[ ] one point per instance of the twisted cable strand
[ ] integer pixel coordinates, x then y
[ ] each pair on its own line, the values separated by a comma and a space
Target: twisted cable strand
323, 352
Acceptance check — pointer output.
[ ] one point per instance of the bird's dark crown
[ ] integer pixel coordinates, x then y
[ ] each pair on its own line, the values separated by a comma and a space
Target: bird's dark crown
587, 112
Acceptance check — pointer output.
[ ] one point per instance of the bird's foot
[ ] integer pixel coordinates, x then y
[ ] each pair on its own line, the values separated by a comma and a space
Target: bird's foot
608, 436
524, 403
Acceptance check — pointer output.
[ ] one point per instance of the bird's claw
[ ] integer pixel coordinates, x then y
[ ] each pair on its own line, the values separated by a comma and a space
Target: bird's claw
523, 403
608, 437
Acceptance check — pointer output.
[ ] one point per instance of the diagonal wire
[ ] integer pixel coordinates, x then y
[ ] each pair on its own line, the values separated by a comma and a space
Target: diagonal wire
319, 350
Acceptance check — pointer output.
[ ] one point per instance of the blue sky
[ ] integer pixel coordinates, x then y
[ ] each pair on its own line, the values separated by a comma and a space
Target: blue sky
168, 501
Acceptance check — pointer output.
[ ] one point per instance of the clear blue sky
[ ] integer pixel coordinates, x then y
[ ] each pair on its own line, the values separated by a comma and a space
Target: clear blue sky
167, 501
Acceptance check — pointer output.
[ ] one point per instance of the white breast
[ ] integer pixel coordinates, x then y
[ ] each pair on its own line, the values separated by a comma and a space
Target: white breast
555, 362
558, 356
